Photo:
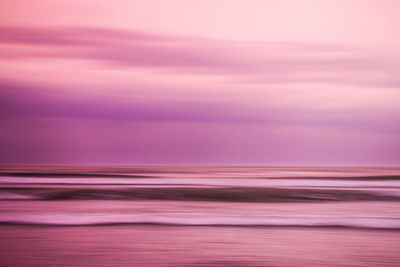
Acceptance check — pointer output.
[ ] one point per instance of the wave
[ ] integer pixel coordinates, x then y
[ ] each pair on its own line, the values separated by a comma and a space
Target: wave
71, 175
16, 196
241, 172
205, 175
343, 178
237, 182
204, 219
230, 194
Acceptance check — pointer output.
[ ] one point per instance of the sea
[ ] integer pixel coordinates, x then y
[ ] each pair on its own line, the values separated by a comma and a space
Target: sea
199, 216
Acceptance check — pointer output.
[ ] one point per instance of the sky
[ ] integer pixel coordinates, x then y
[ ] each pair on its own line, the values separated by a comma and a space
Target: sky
259, 82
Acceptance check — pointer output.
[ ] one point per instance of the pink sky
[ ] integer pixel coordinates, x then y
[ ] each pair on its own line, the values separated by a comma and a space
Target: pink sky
200, 82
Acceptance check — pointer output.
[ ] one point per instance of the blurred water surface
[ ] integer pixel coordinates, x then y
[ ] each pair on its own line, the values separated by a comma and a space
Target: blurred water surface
199, 216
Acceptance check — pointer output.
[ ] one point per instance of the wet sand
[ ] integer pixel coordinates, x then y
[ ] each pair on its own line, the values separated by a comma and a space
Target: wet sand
154, 245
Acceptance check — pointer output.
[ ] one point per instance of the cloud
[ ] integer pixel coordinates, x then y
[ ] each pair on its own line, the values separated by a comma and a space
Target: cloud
69, 36
246, 62
19, 100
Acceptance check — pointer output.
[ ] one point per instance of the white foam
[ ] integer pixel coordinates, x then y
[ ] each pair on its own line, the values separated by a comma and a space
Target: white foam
209, 182
12, 196
204, 219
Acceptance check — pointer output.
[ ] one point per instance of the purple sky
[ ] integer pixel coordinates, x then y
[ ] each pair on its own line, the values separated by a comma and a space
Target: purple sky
200, 82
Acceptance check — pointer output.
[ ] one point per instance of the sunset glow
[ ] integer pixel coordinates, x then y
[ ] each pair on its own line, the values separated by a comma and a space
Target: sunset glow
200, 82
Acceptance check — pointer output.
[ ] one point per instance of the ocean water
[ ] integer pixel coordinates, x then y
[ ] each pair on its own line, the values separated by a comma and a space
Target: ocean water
199, 216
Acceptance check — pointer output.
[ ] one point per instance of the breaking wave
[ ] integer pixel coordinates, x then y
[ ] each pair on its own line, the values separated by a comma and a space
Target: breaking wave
203, 219
231, 194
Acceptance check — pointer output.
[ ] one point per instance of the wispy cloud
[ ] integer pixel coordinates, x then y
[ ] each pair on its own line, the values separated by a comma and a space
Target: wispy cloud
246, 62
18, 100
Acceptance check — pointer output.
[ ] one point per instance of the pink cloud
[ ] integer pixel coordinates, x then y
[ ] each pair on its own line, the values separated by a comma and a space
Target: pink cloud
193, 100
249, 62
